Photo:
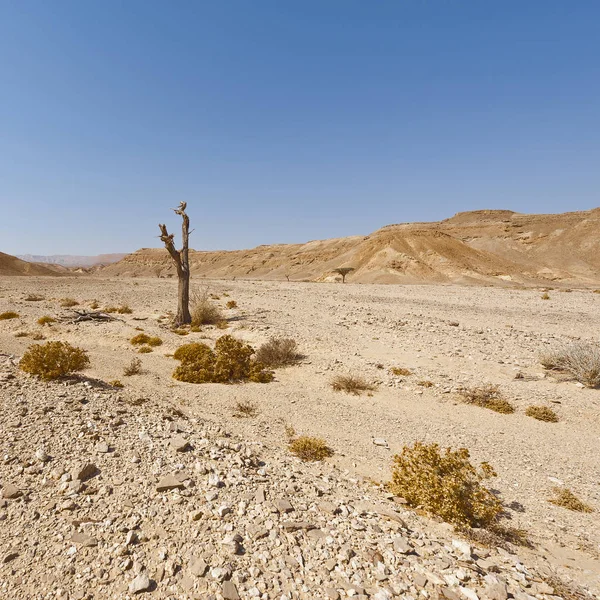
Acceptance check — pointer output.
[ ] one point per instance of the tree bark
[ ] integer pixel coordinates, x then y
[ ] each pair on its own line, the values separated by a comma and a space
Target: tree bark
181, 260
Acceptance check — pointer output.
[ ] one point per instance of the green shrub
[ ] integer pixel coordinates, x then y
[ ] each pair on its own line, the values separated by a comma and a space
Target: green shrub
487, 396
310, 448
278, 352
53, 360
542, 413
8, 315
445, 484
231, 361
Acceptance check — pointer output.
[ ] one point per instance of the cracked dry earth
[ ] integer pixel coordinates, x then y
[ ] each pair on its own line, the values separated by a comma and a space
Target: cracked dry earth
157, 489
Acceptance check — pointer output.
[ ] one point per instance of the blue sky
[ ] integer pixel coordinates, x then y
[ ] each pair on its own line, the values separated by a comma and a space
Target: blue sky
285, 121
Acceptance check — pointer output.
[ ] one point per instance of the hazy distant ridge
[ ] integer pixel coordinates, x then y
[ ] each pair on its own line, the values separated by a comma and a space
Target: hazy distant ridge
68, 260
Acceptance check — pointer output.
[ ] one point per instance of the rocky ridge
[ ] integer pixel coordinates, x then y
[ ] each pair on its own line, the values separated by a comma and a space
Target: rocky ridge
109, 495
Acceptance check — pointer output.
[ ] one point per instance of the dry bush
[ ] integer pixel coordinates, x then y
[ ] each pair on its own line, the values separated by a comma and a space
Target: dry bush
34, 298
565, 498
245, 410
180, 331
230, 362
425, 383
21, 334
46, 320
545, 296
400, 372
542, 413
581, 360
116, 383
310, 448
487, 396
53, 360
203, 311
10, 314
231, 304
278, 352
596, 292
142, 338
133, 368
351, 384
445, 484
68, 302
124, 309
144, 350
38, 335
94, 304
222, 324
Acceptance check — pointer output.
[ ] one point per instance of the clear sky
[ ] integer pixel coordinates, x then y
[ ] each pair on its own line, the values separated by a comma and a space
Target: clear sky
288, 120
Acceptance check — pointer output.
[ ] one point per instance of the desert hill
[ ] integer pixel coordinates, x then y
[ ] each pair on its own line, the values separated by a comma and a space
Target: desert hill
479, 246
11, 265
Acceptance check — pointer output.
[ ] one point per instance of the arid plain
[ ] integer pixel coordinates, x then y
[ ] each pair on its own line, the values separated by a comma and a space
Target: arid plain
451, 336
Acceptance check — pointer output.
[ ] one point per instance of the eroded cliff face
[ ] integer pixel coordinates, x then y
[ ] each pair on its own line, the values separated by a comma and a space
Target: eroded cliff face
479, 246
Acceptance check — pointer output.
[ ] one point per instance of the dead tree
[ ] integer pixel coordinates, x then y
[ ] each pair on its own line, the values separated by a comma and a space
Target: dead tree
182, 264
343, 271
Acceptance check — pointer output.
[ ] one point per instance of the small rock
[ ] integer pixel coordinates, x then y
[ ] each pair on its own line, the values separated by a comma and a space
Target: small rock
380, 442
140, 584
11, 491
283, 505
179, 443
84, 471
198, 567
42, 455
229, 591
169, 482
102, 447
84, 540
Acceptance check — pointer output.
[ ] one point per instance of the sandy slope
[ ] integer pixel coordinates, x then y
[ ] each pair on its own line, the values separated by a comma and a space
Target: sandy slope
355, 328
474, 247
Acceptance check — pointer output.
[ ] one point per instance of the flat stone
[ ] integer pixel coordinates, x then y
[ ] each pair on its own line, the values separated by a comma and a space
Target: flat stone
169, 482
140, 584
84, 539
380, 442
102, 447
229, 591
198, 567
283, 505
296, 525
179, 443
84, 471
401, 545
10, 555
332, 593
11, 491
260, 496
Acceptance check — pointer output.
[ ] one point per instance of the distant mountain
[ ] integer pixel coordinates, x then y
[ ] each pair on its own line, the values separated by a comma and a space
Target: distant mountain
13, 266
482, 246
68, 260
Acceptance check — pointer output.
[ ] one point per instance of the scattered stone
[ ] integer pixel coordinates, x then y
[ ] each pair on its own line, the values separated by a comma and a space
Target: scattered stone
179, 443
283, 505
229, 591
84, 471
169, 482
84, 540
11, 491
141, 583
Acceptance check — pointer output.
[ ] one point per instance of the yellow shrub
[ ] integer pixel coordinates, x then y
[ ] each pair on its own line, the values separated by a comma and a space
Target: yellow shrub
445, 484
8, 315
46, 320
230, 361
142, 338
542, 413
53, 360
310, 448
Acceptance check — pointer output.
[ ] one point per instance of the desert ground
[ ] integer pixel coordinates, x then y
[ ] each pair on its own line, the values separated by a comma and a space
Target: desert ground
449, 335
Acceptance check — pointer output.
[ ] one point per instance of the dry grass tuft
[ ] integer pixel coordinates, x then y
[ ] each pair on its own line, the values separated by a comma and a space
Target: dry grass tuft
310, 448
400, 372
21, 334
122, 310
34, 298
203, 311
278, 352
542, 413
223, 324
68, 302
180, 331
245, 410
545, 296
144, 350
351, 384
46, 320
53, 360
116, 383
565, 498
38, 335
94, 304
231, 304
10, 314
581, 360
230, 362
445, 484
488, 396
133, 368
425, 383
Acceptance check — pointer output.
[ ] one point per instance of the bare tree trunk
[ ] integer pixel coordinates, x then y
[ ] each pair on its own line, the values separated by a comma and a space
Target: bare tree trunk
181, 260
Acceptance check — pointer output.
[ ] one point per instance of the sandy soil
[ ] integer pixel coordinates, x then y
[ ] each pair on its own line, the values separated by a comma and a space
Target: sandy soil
449, 335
